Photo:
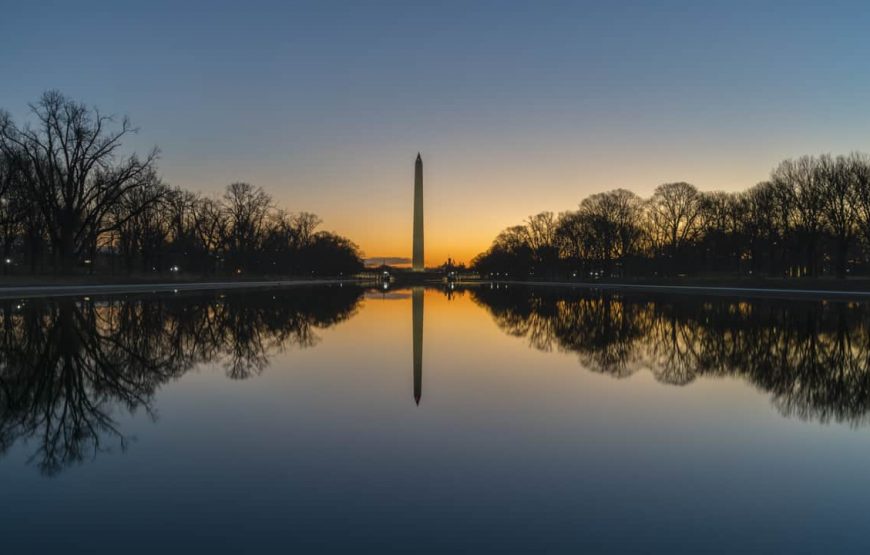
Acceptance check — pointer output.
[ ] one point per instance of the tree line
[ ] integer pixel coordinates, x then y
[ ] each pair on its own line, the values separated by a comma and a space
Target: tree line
811, 218
70, 200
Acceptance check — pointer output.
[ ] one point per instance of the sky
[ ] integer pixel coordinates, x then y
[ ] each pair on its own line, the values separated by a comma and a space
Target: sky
516, 107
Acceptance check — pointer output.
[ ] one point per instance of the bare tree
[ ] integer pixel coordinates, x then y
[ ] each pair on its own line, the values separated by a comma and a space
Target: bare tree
612, 219
210, 228
304, 225
860, 170
142, 225
540, 231
77, 173
13, 205
575, 240
246, 209
760, 224
839, 205
722, 234
800, 180
674, 216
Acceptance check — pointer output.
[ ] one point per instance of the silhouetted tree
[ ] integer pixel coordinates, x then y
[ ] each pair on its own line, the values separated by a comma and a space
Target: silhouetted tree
612, 220
246, 209
68, 193
801, 182
839, 205
77, 174
14, 204
811, 218
675, 221
721, 238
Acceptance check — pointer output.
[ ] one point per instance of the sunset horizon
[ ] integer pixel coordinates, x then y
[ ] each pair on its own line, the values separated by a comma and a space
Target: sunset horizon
516, 110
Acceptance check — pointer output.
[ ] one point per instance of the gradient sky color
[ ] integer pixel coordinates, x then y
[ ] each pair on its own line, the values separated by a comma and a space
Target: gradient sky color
517, 107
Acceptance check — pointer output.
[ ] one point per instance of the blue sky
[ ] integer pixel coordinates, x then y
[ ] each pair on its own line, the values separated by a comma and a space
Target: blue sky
516, 106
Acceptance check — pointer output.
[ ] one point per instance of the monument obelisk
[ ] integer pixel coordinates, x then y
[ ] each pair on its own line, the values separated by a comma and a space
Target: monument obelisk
417, 256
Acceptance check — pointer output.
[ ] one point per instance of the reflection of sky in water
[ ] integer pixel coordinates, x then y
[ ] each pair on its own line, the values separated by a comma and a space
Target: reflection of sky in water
511, 448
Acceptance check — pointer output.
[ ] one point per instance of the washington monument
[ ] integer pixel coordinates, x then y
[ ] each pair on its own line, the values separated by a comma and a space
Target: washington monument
417, 257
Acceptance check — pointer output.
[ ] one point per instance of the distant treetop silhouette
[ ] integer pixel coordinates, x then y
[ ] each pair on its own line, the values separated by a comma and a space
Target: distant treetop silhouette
811, 218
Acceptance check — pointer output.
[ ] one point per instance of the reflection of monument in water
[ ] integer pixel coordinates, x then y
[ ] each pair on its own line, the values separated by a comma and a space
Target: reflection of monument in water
417, 315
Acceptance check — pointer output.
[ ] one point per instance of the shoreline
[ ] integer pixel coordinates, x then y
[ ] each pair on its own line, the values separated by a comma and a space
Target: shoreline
689, 289
800, 290
78, 290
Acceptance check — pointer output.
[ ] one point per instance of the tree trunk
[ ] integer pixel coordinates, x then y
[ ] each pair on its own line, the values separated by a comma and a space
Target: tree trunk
842, 254
67, 250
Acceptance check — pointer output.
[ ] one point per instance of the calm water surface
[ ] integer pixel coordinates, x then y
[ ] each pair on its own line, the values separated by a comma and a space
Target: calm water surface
340, 418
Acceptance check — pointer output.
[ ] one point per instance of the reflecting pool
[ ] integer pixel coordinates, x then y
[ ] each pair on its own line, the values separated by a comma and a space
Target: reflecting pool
513, 419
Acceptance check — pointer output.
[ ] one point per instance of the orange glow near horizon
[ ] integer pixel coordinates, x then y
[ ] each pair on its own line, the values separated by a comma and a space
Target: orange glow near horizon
466, 202
473, 193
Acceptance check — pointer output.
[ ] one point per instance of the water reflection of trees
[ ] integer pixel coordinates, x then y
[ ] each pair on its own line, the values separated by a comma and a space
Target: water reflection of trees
813, 357
66, 366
